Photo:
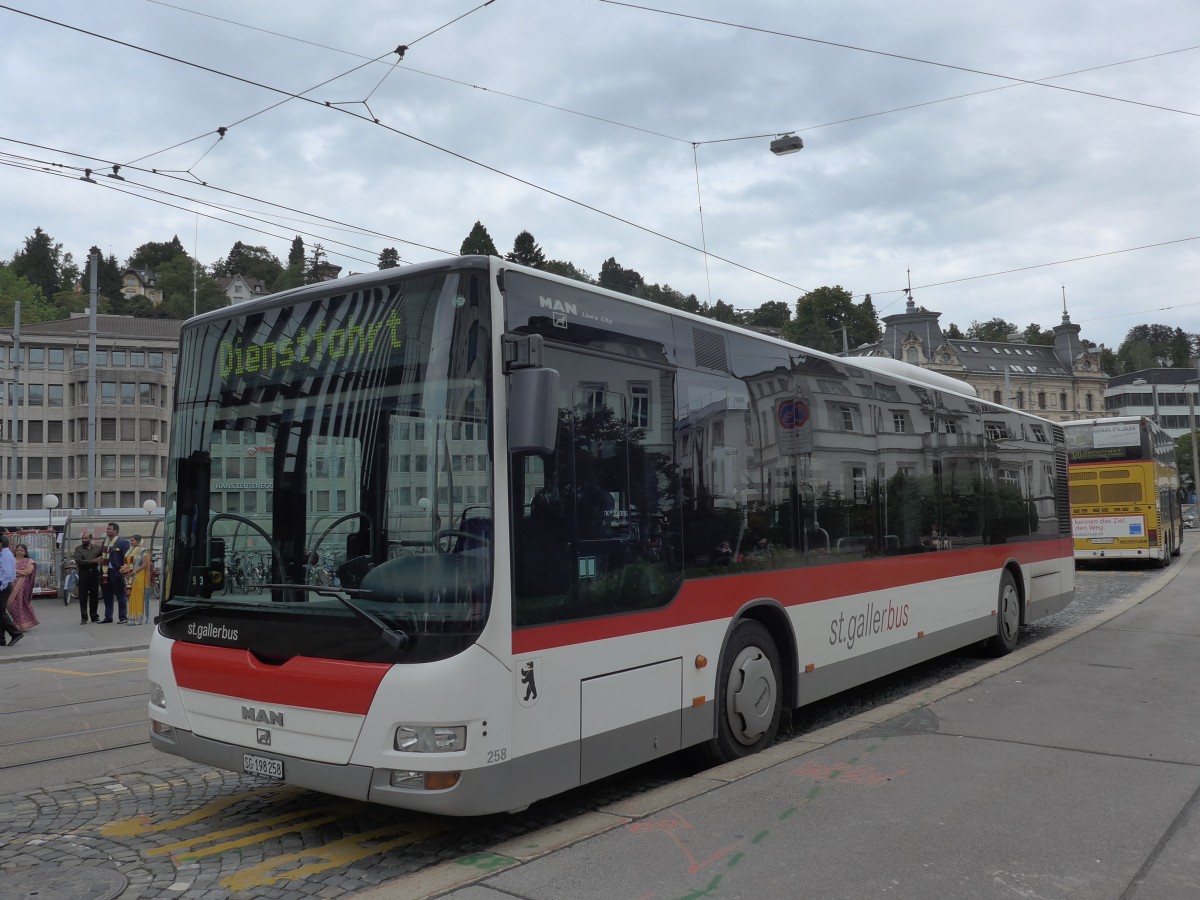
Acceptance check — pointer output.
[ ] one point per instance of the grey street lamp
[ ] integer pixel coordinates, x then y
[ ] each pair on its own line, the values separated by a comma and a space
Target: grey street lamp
50, 501
786, 143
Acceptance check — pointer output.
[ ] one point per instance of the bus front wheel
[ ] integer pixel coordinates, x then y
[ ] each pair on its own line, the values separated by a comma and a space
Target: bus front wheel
1008, 617
749, 698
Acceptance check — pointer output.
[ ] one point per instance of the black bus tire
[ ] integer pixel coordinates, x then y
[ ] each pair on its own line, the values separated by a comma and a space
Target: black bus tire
1008, 617
749, 694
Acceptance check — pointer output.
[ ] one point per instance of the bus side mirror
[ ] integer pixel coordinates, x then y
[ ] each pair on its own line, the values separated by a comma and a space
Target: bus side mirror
533, 411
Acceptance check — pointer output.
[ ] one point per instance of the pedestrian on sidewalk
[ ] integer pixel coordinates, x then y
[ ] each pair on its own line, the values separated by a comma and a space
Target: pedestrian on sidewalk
8, 573
88, 557
20, 602
137, 561
112, 581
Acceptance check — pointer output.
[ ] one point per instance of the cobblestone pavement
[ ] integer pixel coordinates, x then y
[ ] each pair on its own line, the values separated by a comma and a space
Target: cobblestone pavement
174, 829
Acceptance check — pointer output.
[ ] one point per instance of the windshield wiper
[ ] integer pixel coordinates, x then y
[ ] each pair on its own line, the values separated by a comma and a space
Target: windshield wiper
397, 640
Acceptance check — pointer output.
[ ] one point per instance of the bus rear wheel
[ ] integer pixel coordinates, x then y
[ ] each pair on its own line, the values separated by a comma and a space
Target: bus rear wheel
749, 695
1008, 617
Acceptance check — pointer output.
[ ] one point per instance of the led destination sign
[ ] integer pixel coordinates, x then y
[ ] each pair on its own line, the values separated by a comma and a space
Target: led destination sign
249, 357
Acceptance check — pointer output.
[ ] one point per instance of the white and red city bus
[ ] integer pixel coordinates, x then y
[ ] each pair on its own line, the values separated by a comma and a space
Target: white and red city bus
498, 533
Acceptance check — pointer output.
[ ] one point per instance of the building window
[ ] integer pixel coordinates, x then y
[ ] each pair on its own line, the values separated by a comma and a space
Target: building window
54, 432
1062, 400
1041, 399
639, 412
35, 432
128, 393
108, 465
858, 482
1039, 433
911, 356
1020, 399
849, 418
56, 357
899, 422
33, 467
108, 429
54, 395
37, 395
54, 467
127, 465
128, 429
108, 392
998, 397
1088, 400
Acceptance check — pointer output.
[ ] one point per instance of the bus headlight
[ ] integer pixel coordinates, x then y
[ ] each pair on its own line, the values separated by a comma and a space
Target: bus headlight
157, 697
431, 738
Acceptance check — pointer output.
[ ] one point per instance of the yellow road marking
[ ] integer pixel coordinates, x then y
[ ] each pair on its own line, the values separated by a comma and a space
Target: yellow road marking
338, 853
90, 674
142, 824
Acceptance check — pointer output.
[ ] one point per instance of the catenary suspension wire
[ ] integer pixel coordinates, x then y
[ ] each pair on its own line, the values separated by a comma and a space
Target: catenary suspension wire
900, 56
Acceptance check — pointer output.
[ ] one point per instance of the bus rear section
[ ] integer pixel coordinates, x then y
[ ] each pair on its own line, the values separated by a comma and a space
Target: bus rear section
1124, 490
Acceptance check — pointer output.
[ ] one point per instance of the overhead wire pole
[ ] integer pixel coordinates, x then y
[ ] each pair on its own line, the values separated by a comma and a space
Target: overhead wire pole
93, 294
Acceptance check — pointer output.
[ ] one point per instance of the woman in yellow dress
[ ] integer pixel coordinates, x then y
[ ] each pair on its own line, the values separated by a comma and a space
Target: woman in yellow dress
137, 570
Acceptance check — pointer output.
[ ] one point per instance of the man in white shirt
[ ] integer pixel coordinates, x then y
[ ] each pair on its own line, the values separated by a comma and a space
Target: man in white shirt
8, 574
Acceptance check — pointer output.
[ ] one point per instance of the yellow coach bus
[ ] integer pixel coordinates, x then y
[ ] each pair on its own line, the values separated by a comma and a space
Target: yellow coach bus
1124, 490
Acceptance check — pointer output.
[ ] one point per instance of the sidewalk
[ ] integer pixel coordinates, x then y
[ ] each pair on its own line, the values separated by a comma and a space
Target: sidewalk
1066, 770
61, 635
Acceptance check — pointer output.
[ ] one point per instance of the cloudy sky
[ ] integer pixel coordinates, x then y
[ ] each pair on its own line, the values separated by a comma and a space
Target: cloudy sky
603, 128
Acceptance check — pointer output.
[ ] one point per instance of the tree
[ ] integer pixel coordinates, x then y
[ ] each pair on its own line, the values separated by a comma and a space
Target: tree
296, 253
15, 288
992, 330
478, 242
317, 261
1155, 346
954, 332
1035, 335
154, 254
249, 261
176, 279
389, 258
42, 263
823, 313
1183, 458
568, 270
527, 252
617, 278
293, 275
108, 274
772, 314
721, 312
668, 296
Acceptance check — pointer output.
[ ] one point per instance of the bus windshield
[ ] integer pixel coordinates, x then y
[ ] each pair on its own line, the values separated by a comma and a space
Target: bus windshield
333, 473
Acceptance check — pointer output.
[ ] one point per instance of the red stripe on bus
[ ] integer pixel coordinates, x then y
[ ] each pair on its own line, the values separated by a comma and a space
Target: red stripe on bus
330, 684
719, 597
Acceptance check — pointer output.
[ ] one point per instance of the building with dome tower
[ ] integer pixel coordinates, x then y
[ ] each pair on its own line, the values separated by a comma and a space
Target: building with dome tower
1059, 382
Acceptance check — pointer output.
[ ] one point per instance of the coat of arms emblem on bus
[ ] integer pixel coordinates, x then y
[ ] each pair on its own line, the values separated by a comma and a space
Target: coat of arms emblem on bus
527, 692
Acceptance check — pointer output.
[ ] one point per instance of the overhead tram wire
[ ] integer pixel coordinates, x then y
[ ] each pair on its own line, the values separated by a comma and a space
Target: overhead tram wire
193, 211
414, 138
1044, 265
399, 51
900, 56
315, 216
54, 169
422, 72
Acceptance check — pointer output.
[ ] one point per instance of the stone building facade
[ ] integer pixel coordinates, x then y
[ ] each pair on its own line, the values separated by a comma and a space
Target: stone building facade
44, 414
1058, 382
